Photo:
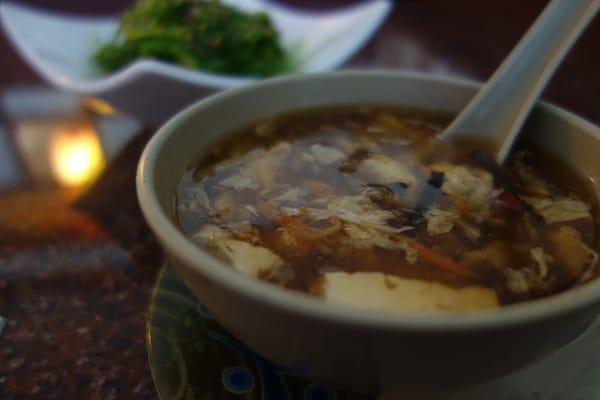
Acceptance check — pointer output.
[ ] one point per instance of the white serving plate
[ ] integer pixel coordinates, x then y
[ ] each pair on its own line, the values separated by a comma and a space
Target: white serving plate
59, 47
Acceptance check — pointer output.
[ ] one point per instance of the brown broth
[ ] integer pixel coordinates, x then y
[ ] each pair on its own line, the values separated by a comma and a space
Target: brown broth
370, 189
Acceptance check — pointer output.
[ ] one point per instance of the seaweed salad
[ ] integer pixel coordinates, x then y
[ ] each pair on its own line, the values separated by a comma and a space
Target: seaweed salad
198, 34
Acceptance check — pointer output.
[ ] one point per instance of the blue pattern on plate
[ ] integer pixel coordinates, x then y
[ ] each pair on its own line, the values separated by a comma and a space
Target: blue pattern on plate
193, 357
272, 384
238, 380
319, 392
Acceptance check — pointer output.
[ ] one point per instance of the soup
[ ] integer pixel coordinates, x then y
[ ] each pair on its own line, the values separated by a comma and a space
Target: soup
363, 206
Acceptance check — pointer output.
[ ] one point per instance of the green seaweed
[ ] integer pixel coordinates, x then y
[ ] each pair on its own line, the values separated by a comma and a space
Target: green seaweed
198, 34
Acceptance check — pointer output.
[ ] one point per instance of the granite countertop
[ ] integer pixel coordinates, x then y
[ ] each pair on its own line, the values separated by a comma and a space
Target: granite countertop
77, 268
75, 279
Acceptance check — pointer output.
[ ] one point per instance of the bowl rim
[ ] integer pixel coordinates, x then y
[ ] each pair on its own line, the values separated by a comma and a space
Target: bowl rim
202, 262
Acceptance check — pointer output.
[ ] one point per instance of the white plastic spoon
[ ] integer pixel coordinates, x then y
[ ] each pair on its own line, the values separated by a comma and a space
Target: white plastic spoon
495, 115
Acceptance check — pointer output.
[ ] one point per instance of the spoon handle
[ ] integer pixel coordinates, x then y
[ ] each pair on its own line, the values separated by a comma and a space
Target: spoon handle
495, 115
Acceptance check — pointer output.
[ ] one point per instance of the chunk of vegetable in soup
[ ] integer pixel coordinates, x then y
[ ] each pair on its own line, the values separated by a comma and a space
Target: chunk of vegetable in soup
363, 206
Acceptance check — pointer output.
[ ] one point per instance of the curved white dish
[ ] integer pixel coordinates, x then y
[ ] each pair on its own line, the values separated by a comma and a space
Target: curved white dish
59, 48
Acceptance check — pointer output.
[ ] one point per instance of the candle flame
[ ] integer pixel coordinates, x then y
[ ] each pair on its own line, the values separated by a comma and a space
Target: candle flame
76, 155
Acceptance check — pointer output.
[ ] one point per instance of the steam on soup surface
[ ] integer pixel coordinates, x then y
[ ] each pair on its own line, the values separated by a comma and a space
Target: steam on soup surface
364, 207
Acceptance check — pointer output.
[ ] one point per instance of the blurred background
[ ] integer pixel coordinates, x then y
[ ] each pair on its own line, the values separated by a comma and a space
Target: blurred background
449, 37
78, 264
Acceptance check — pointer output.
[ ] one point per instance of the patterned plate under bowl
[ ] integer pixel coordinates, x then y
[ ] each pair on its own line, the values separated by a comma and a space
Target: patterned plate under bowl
193, 357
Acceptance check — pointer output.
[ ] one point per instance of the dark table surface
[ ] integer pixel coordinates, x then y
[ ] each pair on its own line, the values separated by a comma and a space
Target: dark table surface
77, 267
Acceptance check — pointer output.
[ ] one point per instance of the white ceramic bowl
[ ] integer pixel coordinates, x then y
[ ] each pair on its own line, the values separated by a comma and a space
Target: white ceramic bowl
59, 47
364, 351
